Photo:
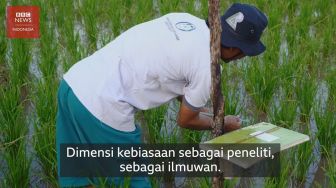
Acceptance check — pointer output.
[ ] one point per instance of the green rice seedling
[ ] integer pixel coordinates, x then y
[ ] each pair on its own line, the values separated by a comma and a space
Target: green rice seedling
19, 62
101, 182
49, 53
203, 182
115, 15
272, 37
18, 166
284, 114
231, 92
304, 19
2, 11
204, 8
89, 13
330, 169
74, 49
44, 98
3, 40
125, 14
282, 180
12, 117
288, 72
331, 83
45, 130
191, 136
261, 83
291, 31
305, 90
326, 125
155, 181
3, 68
143, 11
233, 100
206, 182
324, 37
167, 6
230, 183
69, 38
292, 7
323, 7
154, 119
12, 123
3, 48
303, 157
189, 6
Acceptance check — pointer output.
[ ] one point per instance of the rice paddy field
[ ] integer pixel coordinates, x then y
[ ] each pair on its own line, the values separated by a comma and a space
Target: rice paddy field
293, 85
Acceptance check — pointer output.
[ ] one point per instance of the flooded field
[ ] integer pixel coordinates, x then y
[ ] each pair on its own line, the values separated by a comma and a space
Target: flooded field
293, 85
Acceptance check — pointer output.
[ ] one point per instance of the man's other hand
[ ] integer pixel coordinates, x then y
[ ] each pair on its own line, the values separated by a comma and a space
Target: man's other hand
231, 123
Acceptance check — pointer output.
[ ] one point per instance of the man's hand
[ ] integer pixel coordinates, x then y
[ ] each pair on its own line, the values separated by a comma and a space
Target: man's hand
231, 123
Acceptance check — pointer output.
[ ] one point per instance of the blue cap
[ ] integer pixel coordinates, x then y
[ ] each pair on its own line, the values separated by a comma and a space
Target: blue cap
242, 26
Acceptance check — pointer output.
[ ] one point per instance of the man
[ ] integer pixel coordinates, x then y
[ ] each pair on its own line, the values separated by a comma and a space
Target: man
145, 67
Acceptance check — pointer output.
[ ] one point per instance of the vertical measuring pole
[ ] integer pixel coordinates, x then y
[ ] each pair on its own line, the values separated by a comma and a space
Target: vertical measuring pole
216, 92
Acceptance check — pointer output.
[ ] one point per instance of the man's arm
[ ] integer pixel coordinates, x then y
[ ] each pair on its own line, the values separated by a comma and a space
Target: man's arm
191, 119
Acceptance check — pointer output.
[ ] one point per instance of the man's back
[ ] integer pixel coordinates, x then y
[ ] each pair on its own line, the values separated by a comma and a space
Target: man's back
146, 66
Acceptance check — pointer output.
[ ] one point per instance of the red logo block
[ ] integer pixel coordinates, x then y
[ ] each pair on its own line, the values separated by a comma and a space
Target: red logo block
23, 22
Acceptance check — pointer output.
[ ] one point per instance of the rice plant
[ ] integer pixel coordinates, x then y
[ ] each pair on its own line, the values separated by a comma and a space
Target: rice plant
12, 123
331, 82
261, 83
115, 13
3, 68
49, 53
204, 9
330, 169
284, 114
285, 172
89, 13
143, 12
3, 40
167, 6
43, 95
45, 129
68, 37
326, 125
154, 120
231, 91
190, 6
19, 64
12, 115
302, 157
305, 90
191, 136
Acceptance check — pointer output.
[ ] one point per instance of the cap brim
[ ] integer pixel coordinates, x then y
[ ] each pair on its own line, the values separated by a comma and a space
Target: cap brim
250, 49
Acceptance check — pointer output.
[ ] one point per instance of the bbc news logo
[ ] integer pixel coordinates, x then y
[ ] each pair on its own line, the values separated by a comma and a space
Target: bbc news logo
23, 17
23, 22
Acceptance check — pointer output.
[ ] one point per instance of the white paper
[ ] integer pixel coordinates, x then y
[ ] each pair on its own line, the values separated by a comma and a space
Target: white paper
255, 133
267, 137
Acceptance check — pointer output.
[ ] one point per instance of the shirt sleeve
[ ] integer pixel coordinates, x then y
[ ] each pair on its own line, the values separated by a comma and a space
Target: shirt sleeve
197, 91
